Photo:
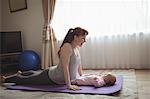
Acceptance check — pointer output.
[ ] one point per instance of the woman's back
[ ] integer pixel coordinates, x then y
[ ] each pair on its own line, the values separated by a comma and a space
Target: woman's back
56, 73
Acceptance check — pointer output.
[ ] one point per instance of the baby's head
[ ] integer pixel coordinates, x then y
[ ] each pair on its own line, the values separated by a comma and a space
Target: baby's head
109, 79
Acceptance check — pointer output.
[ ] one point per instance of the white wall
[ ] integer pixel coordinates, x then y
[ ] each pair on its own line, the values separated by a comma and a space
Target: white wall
29, 21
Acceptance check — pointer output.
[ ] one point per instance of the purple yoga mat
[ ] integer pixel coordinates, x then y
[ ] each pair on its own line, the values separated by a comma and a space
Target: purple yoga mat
62, 88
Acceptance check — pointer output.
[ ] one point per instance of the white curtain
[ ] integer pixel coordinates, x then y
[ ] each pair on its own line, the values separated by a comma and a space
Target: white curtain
118, 51
119, 31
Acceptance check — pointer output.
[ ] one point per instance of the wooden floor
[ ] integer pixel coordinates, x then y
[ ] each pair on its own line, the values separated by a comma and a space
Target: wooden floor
143, 83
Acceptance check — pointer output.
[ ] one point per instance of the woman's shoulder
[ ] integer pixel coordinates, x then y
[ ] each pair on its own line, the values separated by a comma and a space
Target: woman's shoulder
66, 47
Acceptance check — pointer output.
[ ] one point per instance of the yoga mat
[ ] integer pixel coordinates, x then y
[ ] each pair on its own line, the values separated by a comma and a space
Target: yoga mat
62, 88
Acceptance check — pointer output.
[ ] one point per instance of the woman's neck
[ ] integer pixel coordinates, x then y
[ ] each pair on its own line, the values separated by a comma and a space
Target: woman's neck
74, 44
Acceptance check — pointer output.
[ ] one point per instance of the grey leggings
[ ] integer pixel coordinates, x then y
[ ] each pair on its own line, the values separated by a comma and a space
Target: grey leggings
30, 78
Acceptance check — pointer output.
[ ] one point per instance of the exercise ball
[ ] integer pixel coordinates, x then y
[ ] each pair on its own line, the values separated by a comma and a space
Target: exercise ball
29, 60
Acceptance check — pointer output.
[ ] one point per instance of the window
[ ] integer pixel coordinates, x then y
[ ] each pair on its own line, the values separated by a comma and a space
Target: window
102, 17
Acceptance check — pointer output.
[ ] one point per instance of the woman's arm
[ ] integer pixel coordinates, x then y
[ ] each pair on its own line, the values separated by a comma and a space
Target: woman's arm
65, 53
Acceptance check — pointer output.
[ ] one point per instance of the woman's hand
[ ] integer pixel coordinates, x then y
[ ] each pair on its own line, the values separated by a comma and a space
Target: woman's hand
73, 87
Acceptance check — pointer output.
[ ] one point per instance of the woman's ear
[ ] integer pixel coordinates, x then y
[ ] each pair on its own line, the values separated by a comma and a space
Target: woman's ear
75, 37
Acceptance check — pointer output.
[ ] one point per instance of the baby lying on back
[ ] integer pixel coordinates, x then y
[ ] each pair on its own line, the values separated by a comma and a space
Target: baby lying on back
96, 80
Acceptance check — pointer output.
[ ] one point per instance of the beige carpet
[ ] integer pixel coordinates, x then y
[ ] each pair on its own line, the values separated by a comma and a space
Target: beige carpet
129, 90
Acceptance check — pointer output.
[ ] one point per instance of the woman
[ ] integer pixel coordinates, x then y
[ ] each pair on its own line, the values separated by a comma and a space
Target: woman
69, 67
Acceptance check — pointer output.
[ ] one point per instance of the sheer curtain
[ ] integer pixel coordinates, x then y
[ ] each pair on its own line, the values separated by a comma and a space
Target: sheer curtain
119, 31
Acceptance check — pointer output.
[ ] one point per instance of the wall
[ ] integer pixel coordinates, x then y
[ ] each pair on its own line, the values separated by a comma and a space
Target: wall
29, 21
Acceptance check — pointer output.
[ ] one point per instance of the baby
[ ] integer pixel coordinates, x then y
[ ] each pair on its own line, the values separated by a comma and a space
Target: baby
96, 80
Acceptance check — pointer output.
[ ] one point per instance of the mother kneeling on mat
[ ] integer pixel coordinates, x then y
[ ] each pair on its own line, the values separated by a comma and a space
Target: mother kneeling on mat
69, 67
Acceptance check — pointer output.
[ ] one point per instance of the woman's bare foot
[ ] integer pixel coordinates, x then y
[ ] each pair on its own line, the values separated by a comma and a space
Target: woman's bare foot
19, 72
2, 79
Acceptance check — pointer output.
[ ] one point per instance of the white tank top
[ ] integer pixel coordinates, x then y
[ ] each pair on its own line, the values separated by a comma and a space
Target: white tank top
56, 73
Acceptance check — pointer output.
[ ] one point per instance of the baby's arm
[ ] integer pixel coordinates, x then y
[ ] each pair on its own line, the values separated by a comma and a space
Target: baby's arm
79, 81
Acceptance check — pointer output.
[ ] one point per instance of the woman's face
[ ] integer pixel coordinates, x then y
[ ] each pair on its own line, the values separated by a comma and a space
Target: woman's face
80, 40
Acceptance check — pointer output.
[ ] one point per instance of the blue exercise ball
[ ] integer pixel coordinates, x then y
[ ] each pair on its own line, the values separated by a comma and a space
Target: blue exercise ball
29, 60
